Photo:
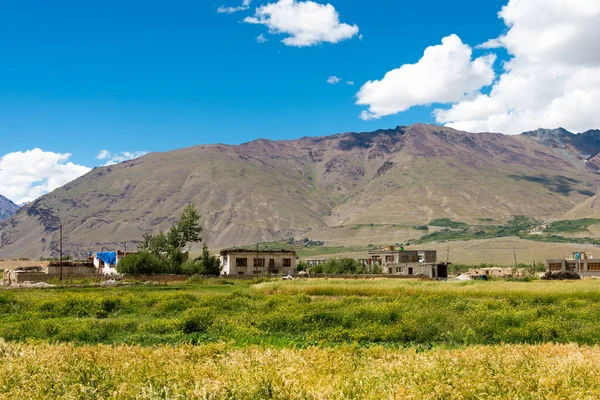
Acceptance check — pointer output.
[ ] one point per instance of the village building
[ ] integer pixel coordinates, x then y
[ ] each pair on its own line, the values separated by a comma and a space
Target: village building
258, 262
580, 263
397, 261
313, 262
106, 261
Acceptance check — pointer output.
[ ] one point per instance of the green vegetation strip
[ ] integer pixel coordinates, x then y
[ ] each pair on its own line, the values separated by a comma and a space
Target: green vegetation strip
519, 226
299, 314
46, 371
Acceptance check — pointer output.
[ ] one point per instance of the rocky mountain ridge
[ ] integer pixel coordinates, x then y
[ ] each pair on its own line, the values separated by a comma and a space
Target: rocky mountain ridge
322, 187
7, 208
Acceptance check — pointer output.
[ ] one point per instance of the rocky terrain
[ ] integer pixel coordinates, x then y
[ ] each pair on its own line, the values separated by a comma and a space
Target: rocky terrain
7, 208
316, 186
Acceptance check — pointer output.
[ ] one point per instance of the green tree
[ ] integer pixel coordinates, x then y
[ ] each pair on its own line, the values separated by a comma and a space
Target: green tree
142, 263
206, 264
188, 227
210, 263
186, 231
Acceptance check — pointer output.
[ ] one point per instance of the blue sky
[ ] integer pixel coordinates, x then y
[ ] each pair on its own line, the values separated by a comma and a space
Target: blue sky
78, 77
81, 76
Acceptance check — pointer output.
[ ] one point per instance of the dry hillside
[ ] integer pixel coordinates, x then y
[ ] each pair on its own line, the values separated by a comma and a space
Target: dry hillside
267, 190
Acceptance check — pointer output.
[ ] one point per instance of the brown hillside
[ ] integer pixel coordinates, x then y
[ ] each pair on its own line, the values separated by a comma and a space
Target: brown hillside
266, 190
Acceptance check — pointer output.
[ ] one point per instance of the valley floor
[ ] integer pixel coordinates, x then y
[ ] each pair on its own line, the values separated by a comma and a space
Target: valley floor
321, 339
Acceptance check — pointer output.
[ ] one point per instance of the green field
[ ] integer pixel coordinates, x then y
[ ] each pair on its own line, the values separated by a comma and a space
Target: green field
305, 313
303, 339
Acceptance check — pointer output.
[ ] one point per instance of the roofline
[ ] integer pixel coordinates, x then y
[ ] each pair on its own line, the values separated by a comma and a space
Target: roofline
282, 251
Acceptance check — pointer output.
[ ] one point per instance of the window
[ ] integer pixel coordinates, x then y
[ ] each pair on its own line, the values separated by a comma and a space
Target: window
241, 262
593, 266
287, 262
258, 263
410, 271
241, 272
555, 266
389, 259
271, 262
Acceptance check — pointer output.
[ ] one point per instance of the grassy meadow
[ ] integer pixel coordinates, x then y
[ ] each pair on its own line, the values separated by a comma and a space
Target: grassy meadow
321, 339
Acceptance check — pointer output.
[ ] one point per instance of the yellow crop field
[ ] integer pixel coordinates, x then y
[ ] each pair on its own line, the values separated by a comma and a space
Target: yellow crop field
42, 371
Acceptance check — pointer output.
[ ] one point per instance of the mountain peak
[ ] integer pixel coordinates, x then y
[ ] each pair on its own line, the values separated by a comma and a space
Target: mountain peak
544, 133
7, 208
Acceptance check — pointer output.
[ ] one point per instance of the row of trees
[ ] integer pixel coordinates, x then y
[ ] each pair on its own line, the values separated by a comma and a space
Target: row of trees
163, 253
341, 266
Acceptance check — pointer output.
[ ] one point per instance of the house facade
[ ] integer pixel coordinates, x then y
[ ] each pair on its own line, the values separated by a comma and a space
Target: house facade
397, 261
580, 263
262, 262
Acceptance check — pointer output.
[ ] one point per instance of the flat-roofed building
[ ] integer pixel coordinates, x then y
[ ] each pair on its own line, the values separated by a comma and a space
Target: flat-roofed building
261, 262
397, 261
580, 263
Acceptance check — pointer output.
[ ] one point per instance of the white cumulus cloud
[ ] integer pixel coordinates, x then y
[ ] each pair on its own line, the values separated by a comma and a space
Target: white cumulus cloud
552, 78
25, 176
306, 23
115, 158
446, 73
230, 10
333, 80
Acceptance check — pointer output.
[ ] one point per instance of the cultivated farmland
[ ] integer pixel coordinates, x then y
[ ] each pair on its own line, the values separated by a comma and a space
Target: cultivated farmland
303, 339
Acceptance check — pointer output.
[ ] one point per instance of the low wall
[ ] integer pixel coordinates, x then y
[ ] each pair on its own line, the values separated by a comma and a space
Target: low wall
16, 277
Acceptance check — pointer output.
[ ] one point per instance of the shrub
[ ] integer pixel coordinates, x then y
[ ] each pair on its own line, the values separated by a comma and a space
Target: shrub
560, 276
205, 265
142, 263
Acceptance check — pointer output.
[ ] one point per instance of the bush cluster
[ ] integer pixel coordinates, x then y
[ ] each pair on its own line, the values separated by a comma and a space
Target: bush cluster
560, 276
344, 266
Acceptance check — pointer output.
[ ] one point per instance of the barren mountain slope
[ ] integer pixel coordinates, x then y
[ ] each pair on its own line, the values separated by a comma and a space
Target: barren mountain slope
588, 209
266, 190
7, 208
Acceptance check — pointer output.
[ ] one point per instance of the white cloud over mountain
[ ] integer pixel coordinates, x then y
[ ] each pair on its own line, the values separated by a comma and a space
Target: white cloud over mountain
115, 158
552, 78
446, 73
305, 23
25, 176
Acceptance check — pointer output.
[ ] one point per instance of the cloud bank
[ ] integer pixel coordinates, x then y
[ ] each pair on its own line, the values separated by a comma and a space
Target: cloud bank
446, 73
25, 176
551, 79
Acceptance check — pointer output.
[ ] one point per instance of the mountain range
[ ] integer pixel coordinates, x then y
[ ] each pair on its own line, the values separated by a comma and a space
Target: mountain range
320, 187
7, 208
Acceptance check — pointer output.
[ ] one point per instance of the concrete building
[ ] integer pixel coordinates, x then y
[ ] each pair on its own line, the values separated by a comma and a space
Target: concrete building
398, 261
261, 262
581, 263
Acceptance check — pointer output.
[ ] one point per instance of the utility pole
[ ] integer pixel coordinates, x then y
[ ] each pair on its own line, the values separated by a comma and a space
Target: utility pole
515, 254
448, 255
60, 239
